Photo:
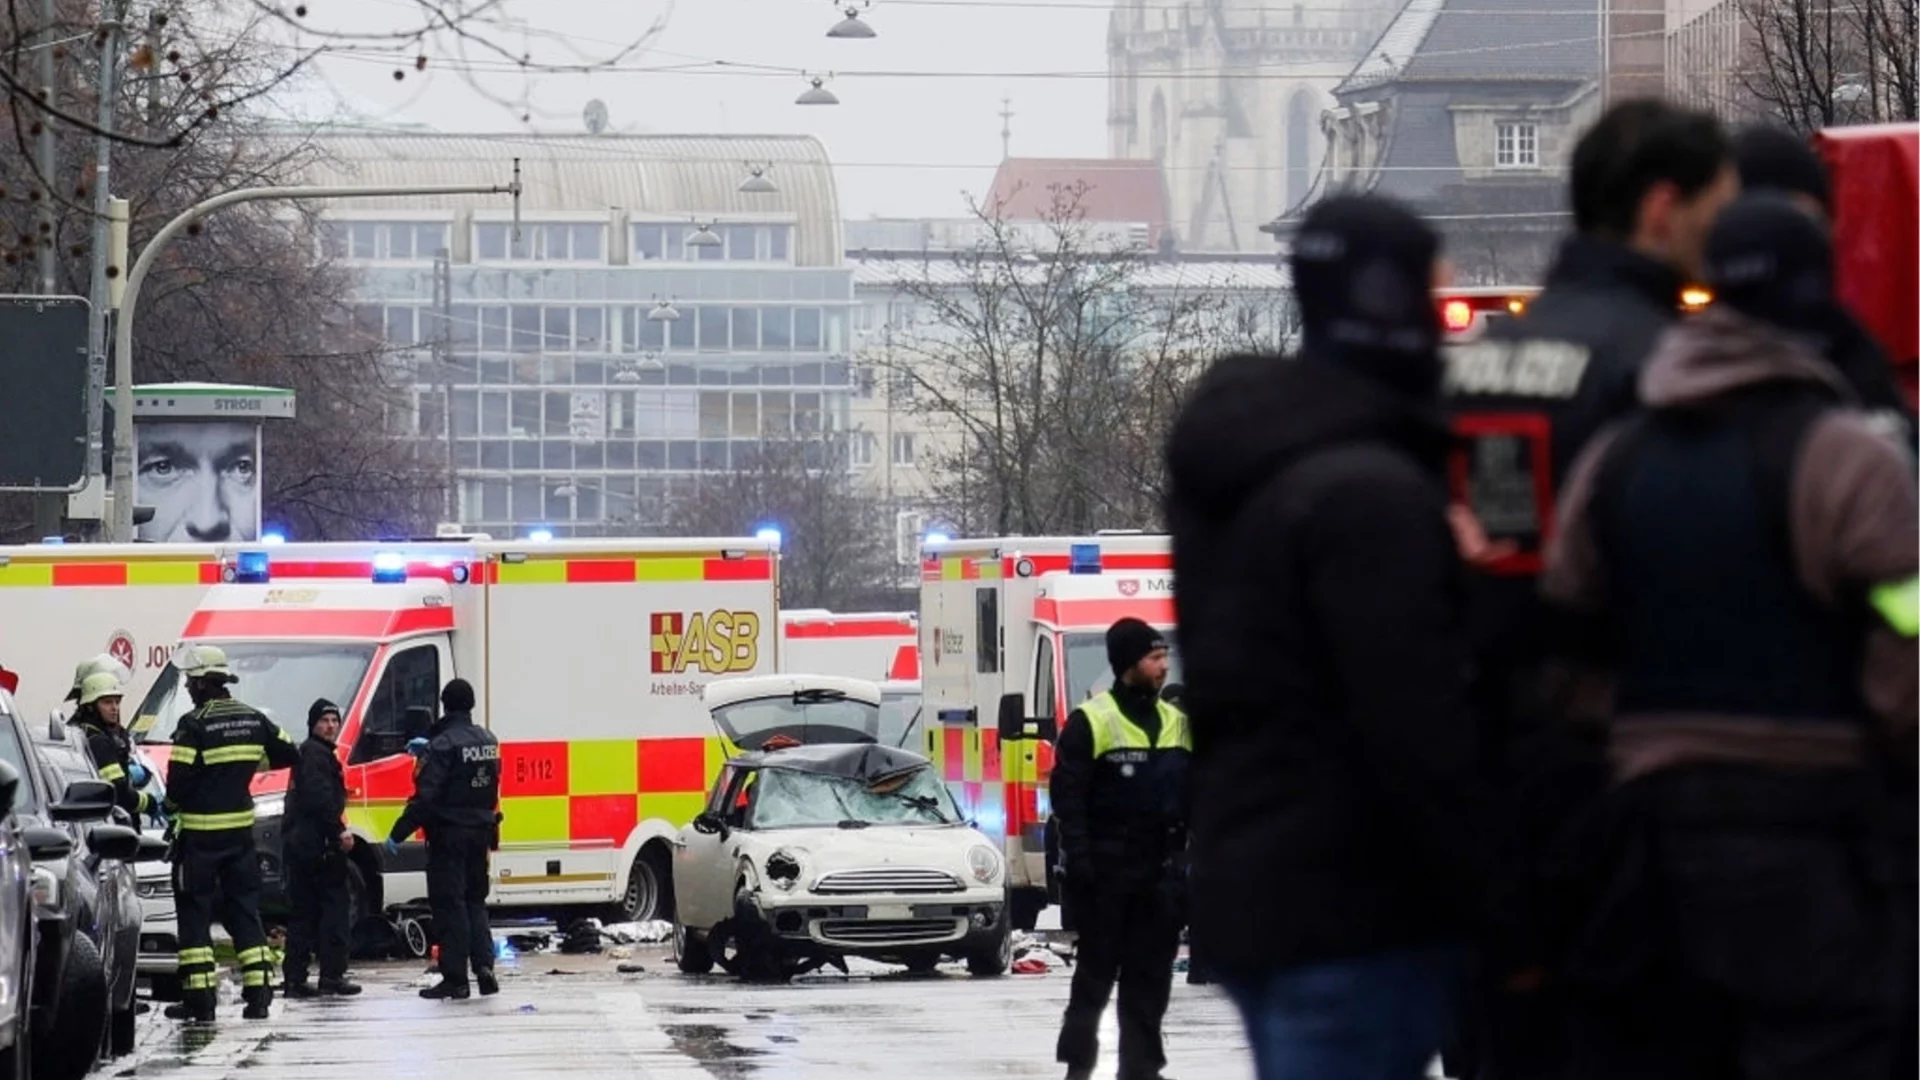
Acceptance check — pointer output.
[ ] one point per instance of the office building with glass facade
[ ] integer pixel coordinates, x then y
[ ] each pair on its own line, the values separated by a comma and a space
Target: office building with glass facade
646, 321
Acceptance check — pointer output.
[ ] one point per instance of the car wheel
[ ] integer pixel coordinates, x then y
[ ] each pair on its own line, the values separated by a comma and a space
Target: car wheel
690, 954
994, 957
68, 1051
649, 894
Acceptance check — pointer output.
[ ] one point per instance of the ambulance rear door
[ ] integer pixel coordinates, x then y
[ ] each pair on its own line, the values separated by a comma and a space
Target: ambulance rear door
596, 655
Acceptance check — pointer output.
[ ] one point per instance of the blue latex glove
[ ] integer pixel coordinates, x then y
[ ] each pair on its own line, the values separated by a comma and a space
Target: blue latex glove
138, 775
390, 847
417, 747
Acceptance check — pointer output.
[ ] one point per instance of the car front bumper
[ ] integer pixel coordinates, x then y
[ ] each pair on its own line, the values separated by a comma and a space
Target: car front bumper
880, 922
159, 929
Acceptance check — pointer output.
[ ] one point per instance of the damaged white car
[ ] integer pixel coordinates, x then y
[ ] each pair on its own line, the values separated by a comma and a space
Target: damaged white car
810, 854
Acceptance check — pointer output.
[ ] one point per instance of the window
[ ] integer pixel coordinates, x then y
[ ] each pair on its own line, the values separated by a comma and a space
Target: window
806, 329
412, 680
582, 242
860, 449
903, 450
986, 630
741, 243
779, 238
1516, 146
713, 328
746, 329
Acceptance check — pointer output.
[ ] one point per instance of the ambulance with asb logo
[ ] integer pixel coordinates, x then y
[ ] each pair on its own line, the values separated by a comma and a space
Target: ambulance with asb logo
1012, 639
588, 659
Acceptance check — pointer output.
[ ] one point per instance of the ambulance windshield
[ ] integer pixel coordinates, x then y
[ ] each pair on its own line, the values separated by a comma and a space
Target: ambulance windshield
1088, 672
278, 678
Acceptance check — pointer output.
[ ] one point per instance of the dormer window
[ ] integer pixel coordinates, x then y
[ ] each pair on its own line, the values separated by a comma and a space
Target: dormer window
1516, 145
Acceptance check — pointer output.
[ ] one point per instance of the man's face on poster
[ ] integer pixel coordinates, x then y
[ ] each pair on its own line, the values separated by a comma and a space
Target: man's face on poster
201, 480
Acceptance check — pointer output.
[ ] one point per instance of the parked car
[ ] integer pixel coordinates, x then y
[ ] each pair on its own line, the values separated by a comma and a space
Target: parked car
813, 853
70, 988
17, 932
113, 915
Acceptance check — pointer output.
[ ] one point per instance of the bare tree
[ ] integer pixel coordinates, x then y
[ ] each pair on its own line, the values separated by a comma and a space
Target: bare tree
188, 43
1048, 370
835, 548
246, 298
1818, 63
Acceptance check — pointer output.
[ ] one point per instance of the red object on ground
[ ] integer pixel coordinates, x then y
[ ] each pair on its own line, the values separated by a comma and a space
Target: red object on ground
1875, 170
1030, 967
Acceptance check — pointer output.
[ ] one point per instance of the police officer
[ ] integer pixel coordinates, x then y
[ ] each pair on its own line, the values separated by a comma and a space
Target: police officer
1119, 790
316, 846
455, 795
217, 748
98, 719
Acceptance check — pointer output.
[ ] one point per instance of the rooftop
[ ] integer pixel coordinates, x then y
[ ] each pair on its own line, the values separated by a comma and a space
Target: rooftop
668, 175
1482, 41
1117, 190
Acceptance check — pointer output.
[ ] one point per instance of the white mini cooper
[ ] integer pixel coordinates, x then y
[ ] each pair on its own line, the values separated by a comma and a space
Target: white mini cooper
812, 851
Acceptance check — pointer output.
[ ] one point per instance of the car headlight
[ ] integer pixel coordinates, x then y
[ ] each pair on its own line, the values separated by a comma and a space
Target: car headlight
269, 806
984, 862
46, 887
783, 869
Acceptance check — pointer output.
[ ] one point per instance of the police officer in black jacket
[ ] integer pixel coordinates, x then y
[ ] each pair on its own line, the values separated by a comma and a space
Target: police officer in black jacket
1119, 791
316, 845
217, 749
456, 796
1647, 181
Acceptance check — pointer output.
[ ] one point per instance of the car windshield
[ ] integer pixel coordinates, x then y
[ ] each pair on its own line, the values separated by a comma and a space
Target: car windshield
70, 763
1089, 673
807, 716
789, 799
278, 678
897, 712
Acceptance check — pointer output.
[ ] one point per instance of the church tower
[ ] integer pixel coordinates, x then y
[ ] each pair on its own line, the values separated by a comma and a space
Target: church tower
1227, 96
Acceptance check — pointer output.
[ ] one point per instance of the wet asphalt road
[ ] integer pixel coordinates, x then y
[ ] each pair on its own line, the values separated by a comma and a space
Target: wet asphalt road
580, 1017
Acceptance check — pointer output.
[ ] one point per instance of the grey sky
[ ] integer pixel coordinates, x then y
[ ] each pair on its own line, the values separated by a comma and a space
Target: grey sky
904, 146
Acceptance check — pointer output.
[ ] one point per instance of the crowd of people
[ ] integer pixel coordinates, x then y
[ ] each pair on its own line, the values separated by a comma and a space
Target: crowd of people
1550, 699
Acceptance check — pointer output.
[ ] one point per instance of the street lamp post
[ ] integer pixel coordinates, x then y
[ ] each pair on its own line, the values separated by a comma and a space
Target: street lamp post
122, 530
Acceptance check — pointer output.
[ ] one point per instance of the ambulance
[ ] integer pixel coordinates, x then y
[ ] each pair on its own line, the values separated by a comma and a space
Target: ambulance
588, 659
868, 645
1012, 639
63, 603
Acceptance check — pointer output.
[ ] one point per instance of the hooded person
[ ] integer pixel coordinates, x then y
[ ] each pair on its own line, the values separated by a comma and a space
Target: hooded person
1773, 159
316, 845
1743, 556
1338, 857
1119, 794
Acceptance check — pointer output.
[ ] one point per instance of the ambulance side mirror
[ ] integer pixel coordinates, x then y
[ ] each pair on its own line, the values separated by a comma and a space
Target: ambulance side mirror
1015, 725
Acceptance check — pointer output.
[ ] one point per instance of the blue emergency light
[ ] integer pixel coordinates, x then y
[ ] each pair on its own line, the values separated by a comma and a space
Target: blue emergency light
251, 568
938, 538
389, 568
540, 536
272, 538
1083, 559
767, 534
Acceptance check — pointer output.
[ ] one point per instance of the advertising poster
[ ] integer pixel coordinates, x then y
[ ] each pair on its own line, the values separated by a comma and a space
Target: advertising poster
202, 478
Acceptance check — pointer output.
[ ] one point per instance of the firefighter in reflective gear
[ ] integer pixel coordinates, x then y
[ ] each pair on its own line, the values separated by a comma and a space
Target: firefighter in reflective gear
217, 748
1119, 790
98, 718
456, 796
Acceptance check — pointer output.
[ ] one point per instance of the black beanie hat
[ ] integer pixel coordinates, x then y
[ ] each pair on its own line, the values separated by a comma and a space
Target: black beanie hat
1363, 273
1774, 159
1770, 261
1128, 642
320, 708
458, 696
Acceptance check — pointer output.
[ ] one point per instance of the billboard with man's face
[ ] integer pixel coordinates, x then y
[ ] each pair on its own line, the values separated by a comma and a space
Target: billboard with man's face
202, 478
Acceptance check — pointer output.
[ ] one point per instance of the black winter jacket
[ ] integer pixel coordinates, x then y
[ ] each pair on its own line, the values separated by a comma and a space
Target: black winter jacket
316, 799
112, 751
1337, 774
